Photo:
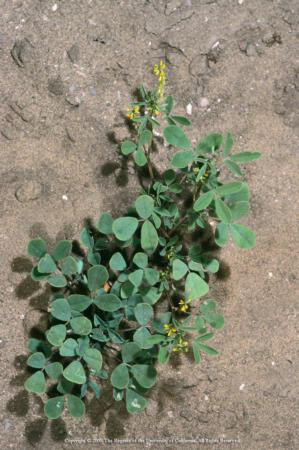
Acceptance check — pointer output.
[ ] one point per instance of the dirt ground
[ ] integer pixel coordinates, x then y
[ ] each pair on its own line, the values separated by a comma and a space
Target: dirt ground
67, 72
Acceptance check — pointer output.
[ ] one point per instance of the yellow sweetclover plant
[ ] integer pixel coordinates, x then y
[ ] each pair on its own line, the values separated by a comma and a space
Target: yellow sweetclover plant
104, 324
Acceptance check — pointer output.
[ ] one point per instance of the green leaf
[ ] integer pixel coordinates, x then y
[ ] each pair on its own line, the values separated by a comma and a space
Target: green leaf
96, 389
176, 137
75, 373
104, 224
135, 403
56, 335
182, 120
62, 250
145, 137
36, 383
233, 167
152, 276
129, 351
75, 406
210, 143
117, 262
35, 345
168, 104
228, 144
81, 325
93, 358
245, 157
140, 158
182, 159
179, 269
195, 287
46, 264
79, 302
223, 211
37, 276
163, 355
144, 206
61, 310
196, 352
242, 236
215, 320
57, 281
54, 370
206, 349
69, 266
229, 188
136, 277
239, 209
203, 201
242, 195
53, 407
145, 375
87, 239
97, 277
140, 260
37, 248
68, 348
120, 376
143, 313
124, 228
37, 360
195, 253
128, 147
108, 302
149, 237
221, 234
141, 337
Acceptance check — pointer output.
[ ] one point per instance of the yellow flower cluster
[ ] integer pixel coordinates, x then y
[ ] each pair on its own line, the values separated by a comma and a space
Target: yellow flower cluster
133, 112
170, 329
181, 345
159, 71
183, 306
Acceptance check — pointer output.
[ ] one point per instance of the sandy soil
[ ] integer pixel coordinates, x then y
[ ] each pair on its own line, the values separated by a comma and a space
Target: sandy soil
67, 73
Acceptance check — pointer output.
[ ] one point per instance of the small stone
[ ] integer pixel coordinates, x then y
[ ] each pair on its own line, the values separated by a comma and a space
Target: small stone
54, 7
73, 53
242, 386
30, 190
64, 197
189, 109
270, 274
250, 50
8, 425
2, 343
204, 102
22, 52
73, 100
56, 86
170, 414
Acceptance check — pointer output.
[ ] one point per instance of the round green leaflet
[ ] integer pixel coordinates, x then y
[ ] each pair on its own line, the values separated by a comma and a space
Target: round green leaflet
57, 281
179, 269
182, 159
242, 236
143, 313
120, 376
141, 260
53, 407
97, 277
124, 228
36, 383
61, 310
37, 360
54, 370
144, 206
93, 358
203, 201
195, 287
104, 224
223, 211
69, 266
141, 337
149, 237
117, 262
140, 158
37, 248
75, 406
46, 264
68, 348
75, 373
62, 250
79, 302
135, 403
145, 375
128, 147
176, 137
129, 351
108, 302
81, 325
56, 335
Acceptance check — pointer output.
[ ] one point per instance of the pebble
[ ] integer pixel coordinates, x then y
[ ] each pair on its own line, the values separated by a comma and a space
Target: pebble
73, 53
242, 386
64, 197
270, 274
170, 414
54, 7
30, 190
189, 109
56, 86
204, 102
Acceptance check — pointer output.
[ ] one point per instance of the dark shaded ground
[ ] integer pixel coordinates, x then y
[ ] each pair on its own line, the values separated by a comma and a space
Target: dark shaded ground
67, 72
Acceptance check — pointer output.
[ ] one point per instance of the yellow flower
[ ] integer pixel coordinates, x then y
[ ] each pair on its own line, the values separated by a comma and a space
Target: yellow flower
159, 71
170, 329
183, 307
181, 345
133, 112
